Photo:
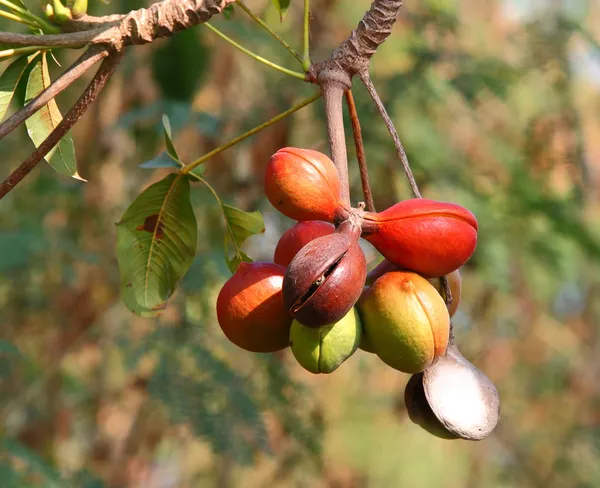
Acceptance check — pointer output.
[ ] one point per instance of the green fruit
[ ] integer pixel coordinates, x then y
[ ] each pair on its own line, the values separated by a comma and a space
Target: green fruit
324, 349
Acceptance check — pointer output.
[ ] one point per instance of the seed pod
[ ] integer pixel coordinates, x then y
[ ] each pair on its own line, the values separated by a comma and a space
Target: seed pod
461, 397
295, 238
304, 185
325, 279
324, 349
406, 321
425, 236
250, 308
419, 410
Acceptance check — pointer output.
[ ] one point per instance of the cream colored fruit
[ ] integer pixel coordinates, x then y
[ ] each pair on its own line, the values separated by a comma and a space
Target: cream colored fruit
406, 321
324, 349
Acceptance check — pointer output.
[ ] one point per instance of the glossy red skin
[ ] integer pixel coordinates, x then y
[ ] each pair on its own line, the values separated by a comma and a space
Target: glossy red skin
303, 184
295, 238
250, 308
425, 236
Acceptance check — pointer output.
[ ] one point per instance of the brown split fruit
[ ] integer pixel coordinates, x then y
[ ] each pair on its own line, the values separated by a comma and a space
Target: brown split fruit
326, 278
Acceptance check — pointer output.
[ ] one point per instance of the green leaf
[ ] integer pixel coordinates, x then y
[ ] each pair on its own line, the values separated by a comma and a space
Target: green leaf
237, 259
8, 83
169, 137
163, 160
156, 243
240, 225
228, 12
282, 7
41, 124
243, 224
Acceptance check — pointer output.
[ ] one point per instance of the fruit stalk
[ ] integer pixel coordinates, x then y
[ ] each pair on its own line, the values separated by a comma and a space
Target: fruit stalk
333, 91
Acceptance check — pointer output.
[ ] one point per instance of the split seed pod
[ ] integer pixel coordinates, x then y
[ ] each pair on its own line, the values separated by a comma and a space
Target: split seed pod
453, 399
326, 278
419, 410
463, 399
429, 237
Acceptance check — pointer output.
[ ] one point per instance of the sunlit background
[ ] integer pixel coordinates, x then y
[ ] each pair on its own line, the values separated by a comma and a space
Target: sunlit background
498, 105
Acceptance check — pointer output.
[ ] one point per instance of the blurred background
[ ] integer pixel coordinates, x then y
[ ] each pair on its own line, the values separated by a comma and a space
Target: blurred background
498, 105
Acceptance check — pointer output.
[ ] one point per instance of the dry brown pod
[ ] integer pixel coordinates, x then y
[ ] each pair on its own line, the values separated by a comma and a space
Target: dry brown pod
326, 277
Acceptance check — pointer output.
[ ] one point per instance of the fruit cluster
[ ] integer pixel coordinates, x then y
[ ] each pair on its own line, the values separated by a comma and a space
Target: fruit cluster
317, 298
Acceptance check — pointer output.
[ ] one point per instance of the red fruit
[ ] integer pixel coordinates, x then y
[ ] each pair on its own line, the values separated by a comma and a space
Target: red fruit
295, 238
250, 308
304, 185
429, 237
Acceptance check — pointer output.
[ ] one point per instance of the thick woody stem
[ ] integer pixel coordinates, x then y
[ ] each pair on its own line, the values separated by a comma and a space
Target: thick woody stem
107, 68
360, 152
161, 19
333, 93
353, 55
366, 79
142, 26
78, 68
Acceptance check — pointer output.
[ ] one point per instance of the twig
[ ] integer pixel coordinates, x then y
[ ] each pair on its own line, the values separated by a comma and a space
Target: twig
306, 36
78, 68
71, 39
366, 79
8, 53
27, 16
360, 152
295, 74
107, 68
16, 18
333, 93
189, 167
265, 26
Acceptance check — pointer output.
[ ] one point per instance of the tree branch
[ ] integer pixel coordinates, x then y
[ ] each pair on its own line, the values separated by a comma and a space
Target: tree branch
360, 152
161, 19
78, 68
366, 79
142, 26
106, 70
354, 54
71, 39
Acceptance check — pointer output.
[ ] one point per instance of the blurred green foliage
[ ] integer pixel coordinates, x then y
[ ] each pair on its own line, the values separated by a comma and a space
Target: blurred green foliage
498, 106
